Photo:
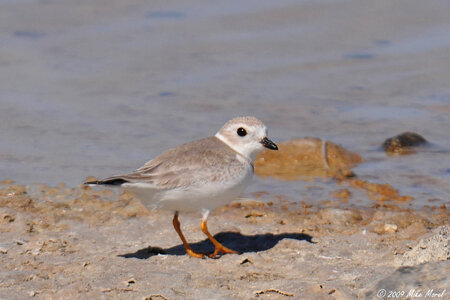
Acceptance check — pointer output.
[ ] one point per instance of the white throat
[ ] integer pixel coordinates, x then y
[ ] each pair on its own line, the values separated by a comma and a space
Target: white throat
243, 153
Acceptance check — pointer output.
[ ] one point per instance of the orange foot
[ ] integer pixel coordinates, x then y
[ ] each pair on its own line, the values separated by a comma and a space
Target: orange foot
194, 254
222, 249
218, 246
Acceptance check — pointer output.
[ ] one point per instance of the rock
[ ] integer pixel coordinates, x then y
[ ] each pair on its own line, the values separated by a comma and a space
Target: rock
379, 192
430, 249
402, 143
7, 182
4, 248
342, 194
422, 281
390, 228
413, 231
7, 215
246, 203
339, 216
307, 157
16, 196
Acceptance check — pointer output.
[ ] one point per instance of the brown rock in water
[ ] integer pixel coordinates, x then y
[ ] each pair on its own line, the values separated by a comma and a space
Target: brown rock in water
402, 143
306, 157
379, 192
7, 182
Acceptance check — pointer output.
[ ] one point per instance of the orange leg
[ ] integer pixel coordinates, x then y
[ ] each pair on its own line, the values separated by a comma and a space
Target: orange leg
176, 225
218, 246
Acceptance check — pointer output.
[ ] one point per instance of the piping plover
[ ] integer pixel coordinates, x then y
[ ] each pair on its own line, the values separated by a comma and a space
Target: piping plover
200, 175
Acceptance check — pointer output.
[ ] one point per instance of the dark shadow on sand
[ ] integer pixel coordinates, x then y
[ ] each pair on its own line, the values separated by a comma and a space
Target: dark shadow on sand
233, 240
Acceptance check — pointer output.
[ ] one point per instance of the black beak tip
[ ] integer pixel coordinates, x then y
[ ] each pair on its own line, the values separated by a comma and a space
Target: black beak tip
269, 144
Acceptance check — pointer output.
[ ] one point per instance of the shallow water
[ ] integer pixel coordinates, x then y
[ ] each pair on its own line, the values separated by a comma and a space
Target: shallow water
100, 88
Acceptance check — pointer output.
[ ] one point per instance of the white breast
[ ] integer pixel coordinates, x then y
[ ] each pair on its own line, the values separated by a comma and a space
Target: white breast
194, 198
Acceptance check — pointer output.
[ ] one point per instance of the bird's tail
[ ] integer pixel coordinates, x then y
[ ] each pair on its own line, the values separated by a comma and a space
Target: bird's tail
115, 180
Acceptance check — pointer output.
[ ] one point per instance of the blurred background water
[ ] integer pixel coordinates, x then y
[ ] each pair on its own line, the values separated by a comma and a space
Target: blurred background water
100, 87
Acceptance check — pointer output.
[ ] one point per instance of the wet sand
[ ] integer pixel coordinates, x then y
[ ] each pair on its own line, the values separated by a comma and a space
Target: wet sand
66, 243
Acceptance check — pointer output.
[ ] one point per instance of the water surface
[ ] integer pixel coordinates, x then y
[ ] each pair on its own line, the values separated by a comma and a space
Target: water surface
99, 88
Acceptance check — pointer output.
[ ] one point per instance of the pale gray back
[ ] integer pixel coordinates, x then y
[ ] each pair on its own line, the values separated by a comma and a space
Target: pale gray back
195, 163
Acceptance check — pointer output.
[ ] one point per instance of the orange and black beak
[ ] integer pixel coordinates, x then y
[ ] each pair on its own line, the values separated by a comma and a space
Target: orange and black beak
269, 144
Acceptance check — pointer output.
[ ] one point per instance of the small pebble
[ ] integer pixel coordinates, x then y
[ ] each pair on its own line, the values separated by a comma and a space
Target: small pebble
130, 282
4, 248
391, 228
401, 143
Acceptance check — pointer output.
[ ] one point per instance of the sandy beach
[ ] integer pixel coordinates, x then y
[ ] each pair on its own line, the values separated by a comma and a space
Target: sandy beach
84, 243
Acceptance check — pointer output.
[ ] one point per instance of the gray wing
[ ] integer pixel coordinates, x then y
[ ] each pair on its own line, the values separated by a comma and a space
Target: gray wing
193, 163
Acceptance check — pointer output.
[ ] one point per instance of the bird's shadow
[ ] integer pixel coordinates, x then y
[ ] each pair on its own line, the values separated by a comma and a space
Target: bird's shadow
233, 240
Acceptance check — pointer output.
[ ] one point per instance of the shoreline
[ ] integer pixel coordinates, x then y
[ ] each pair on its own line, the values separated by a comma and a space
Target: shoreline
84, 242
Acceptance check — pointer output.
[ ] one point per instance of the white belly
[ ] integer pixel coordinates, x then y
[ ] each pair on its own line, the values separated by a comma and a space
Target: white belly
194, 198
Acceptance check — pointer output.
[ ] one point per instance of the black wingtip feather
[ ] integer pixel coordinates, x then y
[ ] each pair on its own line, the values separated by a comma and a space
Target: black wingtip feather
112, 181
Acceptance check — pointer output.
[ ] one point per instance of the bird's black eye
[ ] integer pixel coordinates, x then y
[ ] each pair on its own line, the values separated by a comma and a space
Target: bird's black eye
241, 131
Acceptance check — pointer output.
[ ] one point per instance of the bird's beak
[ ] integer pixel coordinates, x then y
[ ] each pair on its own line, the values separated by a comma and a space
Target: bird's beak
269, 144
